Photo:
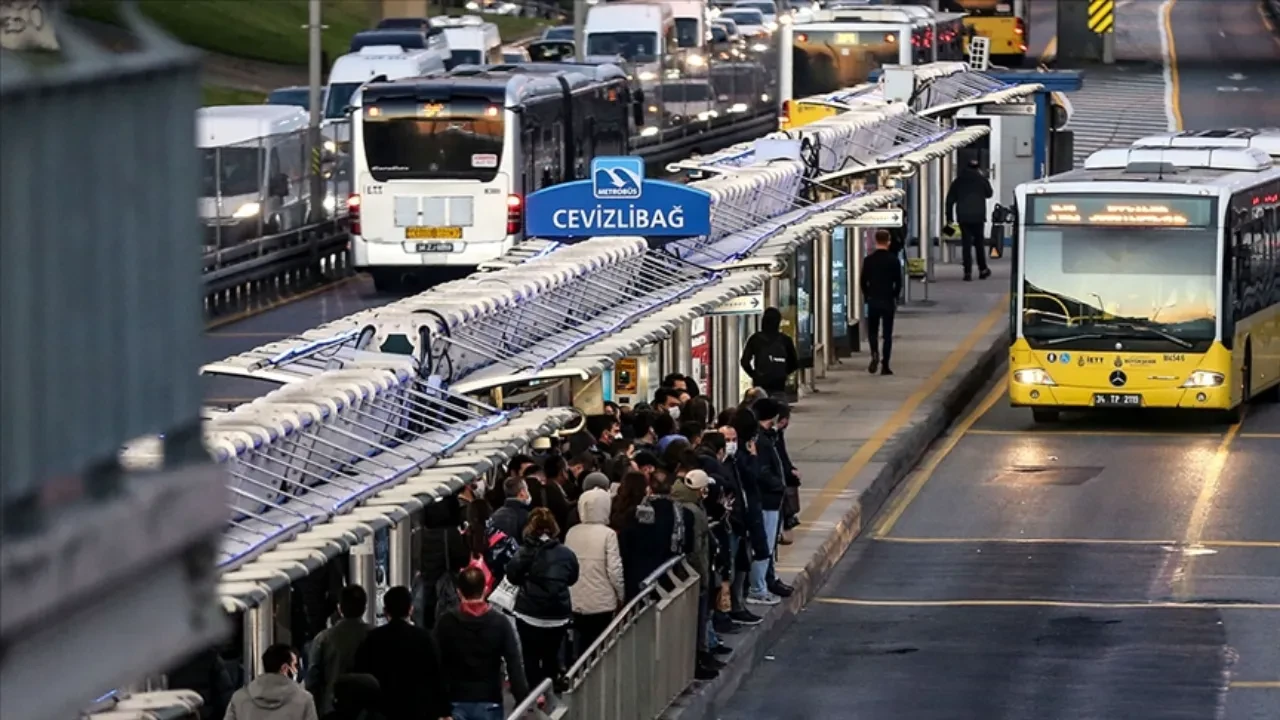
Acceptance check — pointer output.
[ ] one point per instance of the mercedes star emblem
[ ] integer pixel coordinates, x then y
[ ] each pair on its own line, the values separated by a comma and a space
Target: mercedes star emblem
1118, 378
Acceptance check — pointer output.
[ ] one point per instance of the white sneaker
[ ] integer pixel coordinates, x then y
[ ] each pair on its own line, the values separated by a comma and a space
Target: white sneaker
765, 599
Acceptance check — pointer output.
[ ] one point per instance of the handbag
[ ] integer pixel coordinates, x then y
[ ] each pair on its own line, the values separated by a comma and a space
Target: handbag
504, 596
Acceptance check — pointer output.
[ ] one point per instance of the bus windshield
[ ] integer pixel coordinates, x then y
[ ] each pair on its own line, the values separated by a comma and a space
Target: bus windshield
687, 32
1148, 283
229, 171
632, 46
828, 60
335, 105
457, 139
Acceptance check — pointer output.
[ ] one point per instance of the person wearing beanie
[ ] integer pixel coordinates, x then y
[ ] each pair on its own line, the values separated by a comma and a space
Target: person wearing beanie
595, 481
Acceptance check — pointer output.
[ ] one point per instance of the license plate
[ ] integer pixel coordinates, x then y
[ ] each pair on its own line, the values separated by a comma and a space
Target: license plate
433, 233
1116, 400
434, 247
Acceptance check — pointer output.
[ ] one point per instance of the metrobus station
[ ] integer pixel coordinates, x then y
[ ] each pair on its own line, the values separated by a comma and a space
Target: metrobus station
371, 419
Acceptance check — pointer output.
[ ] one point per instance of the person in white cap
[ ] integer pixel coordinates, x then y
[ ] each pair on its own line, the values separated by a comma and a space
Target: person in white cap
690, 491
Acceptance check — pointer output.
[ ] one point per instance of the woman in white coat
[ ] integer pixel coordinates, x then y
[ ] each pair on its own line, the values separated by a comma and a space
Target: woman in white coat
599, 591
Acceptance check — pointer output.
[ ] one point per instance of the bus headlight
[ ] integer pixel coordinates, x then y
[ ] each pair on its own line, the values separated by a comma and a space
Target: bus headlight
1033, 376
247, 210
1204, 379
330, 146
647, 76
696, 61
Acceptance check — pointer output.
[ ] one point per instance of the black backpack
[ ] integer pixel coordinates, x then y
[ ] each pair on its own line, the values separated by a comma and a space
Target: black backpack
770, 361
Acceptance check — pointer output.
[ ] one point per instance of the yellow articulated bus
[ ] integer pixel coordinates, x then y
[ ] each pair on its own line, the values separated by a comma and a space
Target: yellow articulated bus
1150, 279
1003, 22
834, 52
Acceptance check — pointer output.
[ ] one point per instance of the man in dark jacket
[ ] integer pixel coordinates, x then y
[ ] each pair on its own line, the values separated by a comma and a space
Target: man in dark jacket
404, 660
769, 356
773, 488
333, 652
967, 205
881, 283
514, 513
476, 640
662, 530
748, 461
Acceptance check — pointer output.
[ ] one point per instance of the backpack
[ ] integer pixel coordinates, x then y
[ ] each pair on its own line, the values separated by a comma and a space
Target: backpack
770, 361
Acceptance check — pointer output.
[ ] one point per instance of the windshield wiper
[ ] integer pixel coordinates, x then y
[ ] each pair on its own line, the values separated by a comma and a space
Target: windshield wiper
1145, 329
1073, 338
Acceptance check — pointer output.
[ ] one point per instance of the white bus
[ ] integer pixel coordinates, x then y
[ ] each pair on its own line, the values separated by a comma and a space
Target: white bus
442, 165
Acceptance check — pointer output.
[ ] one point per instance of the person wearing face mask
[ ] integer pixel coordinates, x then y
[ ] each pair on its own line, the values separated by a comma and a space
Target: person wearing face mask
691, 493
715, 453
773, 490
275, 694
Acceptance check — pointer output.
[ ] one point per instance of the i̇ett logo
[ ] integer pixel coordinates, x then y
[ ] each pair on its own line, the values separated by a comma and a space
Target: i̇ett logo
617, 178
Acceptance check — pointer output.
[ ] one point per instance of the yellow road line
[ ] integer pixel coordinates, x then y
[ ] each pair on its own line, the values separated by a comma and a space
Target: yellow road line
253, 312
1266, 22
1255, 685
845, 475
1051, 50
1261, 436
1092, 433
1262, 544
1175, 97
1096, 605
1204, 504
918, 479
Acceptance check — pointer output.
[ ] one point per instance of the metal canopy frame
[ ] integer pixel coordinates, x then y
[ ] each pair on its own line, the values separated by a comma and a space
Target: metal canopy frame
250, 583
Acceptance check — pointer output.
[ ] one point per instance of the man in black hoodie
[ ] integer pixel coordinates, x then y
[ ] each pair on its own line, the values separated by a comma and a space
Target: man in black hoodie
967, 205
477, 640
881, 283
769, 356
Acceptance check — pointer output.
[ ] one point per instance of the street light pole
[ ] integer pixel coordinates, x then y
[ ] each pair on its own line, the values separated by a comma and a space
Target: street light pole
579, 30
314, 144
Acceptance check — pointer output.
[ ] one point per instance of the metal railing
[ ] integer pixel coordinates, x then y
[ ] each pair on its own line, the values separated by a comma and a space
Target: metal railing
643, 660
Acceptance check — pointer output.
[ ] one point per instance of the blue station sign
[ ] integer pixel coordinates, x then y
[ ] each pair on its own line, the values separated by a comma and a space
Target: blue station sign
618, 200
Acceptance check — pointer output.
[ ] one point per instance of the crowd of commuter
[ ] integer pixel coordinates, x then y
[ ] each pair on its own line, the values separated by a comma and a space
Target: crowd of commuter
506, 598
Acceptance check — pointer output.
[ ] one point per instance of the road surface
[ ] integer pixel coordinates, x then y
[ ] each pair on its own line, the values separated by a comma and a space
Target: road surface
1089, 571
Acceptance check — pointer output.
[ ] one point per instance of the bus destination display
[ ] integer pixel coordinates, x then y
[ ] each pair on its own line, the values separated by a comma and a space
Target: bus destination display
1121, 211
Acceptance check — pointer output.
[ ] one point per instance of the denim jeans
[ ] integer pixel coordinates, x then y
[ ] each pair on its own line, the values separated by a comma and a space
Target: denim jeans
760, 568
477, 711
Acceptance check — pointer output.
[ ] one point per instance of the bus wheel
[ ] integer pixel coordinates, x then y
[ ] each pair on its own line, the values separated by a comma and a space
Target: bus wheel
1044, 416
385, 281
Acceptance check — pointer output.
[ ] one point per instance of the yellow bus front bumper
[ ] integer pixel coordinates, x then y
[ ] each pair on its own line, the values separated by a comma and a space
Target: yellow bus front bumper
1076, 379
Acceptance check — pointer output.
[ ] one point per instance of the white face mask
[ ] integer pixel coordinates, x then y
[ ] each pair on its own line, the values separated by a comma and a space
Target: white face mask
730, 448
674, 412
617, 436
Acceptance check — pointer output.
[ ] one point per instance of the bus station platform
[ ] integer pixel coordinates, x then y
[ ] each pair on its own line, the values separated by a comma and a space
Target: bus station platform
858, 436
